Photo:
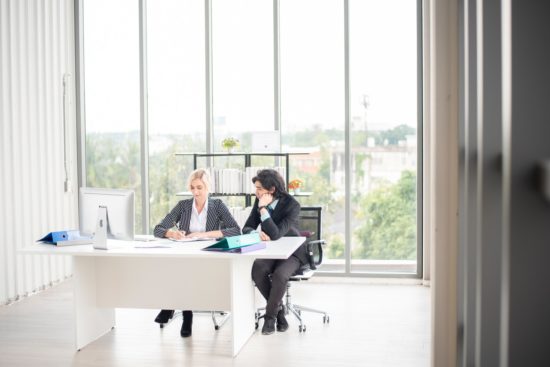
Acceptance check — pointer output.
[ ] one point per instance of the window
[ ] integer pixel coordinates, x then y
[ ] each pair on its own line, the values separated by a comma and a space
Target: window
383, 102
312, 105
242, 47
176, 98
381, 163
111, 71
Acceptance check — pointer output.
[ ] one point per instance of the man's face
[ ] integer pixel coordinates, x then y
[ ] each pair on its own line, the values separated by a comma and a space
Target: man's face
260, 190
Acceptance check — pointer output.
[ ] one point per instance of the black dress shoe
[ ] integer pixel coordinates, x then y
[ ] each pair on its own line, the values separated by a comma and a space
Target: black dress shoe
187, 324
164, 316
282, 324
269, 325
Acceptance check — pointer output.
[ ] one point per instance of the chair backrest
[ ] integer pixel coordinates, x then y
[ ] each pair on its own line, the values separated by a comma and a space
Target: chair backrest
310, 222
310, 227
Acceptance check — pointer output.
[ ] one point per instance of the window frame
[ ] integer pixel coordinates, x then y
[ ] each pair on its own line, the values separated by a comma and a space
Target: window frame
81, 119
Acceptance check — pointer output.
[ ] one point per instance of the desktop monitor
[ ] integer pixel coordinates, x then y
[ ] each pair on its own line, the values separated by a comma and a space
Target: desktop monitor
120, 211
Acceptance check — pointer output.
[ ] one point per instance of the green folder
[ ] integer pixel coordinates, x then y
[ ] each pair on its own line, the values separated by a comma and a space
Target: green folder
234, 242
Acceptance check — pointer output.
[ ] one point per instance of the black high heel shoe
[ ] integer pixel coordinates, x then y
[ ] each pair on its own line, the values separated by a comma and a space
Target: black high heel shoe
187, 324
164, 316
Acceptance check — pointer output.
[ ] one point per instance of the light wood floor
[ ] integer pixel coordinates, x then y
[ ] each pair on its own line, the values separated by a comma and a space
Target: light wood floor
370, 325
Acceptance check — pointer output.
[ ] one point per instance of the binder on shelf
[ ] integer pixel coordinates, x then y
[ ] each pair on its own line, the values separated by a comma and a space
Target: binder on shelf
238, 243
66, 238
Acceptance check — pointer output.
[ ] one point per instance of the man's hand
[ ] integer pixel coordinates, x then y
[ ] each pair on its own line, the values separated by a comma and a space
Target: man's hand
265, 200
264, 236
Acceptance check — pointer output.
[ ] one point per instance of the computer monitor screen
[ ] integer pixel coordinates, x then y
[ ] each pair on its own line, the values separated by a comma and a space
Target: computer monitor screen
120, 211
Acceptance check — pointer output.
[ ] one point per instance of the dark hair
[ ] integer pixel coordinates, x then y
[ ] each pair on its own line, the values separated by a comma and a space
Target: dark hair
269, 178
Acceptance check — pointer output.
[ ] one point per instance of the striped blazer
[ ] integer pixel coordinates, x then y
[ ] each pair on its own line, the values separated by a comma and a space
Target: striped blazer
217, 218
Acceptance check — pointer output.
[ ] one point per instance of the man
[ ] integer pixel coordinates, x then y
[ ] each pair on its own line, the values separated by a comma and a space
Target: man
276, 212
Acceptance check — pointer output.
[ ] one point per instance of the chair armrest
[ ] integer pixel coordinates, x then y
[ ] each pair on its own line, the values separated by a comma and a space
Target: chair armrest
322, 242
315, 253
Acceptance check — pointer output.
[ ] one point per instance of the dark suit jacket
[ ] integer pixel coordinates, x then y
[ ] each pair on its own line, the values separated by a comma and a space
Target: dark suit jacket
283, 222
218, 218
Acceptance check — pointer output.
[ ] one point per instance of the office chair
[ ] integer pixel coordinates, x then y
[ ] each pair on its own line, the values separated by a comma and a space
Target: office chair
217, 323
310, 226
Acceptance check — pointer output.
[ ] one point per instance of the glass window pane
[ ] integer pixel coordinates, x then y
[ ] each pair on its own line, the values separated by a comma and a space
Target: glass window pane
242, 38
312, 110
111, 54
176, 97
384, 115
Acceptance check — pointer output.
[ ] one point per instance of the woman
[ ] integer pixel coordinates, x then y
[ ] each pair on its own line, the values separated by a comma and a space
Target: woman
277, 214
200, 216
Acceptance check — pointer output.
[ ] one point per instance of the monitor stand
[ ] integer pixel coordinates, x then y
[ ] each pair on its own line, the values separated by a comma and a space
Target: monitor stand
100, 236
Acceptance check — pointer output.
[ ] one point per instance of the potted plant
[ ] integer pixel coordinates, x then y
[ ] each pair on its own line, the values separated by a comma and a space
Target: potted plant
295, 185
230, 143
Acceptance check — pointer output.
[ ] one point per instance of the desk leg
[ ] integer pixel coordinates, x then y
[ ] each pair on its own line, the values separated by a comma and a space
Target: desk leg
91, 322
242, 303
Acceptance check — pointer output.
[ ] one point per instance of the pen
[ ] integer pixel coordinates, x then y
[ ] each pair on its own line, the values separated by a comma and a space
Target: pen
178, 229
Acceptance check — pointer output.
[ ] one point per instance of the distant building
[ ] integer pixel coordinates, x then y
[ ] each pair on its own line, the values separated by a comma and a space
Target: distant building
307, 163
372, 165
375, 165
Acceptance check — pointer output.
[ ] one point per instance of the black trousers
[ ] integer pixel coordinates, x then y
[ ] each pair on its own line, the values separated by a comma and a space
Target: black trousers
273, 289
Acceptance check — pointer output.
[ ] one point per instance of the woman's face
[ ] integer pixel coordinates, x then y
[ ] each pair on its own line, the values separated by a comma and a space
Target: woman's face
198, 190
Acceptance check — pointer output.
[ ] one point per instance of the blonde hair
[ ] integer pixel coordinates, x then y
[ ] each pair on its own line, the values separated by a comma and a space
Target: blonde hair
199, 174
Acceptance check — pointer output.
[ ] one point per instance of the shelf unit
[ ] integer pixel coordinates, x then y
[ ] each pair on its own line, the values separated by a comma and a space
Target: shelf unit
247, 163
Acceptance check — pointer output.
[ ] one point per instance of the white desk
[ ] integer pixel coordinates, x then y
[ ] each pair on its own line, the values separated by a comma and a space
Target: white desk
179, 277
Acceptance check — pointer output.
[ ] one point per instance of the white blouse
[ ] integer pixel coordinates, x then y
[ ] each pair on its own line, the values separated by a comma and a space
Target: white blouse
198, 221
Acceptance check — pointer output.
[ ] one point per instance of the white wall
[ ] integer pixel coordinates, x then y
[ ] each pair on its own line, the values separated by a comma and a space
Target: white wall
36, 51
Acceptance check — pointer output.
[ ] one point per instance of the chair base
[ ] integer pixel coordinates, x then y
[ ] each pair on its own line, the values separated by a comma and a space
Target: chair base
218, 323
296, 310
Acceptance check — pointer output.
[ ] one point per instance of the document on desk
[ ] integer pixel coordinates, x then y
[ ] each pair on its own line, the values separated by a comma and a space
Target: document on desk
151, 245
145, 238
192, 239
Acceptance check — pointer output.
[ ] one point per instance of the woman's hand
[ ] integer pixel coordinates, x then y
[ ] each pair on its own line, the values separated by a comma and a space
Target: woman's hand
176, 235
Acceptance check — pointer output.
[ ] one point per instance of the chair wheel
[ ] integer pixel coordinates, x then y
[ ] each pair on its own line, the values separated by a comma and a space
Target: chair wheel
302, 328
256, 325
216, 327
326, 319
162, 326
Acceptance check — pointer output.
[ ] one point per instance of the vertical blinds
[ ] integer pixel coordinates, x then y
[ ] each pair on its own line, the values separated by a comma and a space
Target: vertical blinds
37, 140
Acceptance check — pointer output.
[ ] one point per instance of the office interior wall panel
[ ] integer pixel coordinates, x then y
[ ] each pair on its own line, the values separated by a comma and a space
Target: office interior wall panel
38, 140
525, 320
443, 22
4, 102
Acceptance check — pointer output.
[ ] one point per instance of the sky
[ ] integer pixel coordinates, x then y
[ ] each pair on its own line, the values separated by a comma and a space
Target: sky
383, 64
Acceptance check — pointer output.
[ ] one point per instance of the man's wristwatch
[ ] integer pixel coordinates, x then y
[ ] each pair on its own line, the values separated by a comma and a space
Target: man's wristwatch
262, 207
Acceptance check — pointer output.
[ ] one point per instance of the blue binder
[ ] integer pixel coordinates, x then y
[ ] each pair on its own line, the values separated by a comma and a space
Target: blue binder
66, 238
